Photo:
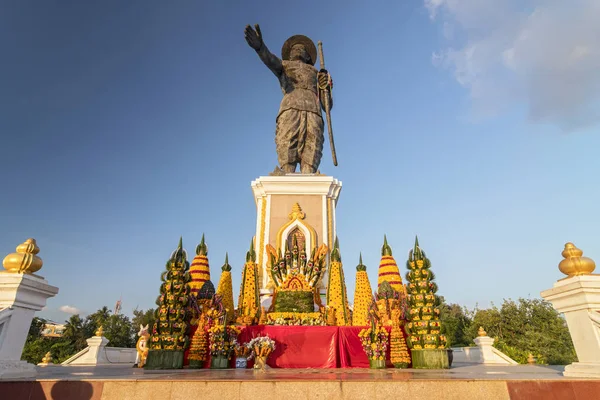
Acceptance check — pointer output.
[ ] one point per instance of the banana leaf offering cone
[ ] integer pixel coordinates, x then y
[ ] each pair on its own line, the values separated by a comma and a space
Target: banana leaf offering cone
388, 269
249, 300
199, 270
362, 296
428, 345
225, 290
337, 297
169, 339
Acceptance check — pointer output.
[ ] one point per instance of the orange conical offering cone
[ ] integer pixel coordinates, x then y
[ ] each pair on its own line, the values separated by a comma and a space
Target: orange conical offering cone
388, 269
199, 270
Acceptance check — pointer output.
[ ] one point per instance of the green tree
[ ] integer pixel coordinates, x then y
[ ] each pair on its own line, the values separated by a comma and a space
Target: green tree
35, 329
75, 333
62, 350
117, 329
455, 324
95, 321
527, 326
36, 346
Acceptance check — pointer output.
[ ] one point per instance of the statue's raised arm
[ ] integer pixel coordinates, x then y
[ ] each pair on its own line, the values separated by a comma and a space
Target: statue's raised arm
254, 39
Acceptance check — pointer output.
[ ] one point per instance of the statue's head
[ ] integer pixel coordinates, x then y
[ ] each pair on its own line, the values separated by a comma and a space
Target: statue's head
299, 53
299, 48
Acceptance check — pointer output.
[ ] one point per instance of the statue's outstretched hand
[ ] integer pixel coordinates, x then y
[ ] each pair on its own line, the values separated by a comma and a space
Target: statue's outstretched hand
253, 37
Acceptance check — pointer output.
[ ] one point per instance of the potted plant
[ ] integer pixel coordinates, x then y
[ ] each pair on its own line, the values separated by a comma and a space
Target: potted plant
242, 352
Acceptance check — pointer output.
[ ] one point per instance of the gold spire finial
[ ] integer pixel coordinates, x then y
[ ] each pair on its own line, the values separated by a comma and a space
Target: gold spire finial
296, 212
574, 263
100, 331
25, 260
481, 331
47, 358
530, 359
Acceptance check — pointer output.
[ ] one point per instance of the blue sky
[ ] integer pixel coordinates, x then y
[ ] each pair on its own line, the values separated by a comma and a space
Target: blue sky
127, 124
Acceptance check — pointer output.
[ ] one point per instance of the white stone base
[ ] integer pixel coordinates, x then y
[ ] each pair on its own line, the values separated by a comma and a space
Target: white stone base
17, 369
583, 370
98, 354
275, 196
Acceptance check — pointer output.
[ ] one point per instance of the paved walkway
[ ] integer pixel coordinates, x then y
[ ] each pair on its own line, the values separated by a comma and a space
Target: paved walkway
462, 382
457, 372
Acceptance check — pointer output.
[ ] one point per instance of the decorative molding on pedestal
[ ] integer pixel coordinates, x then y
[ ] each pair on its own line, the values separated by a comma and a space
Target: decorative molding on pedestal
284, 203
578, 298
21, 294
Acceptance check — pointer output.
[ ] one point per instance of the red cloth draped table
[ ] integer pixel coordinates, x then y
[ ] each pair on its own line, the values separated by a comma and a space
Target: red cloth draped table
351, 351
299, 346
352, 354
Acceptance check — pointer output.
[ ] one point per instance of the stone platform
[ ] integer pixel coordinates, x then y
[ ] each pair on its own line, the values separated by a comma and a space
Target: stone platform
460, 382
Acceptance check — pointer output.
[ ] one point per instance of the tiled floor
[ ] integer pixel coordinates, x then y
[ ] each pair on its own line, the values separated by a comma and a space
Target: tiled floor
466, 371
462, 382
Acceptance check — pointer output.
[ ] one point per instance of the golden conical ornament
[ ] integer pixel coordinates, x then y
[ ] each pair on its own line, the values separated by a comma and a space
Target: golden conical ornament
25, 260
574, 263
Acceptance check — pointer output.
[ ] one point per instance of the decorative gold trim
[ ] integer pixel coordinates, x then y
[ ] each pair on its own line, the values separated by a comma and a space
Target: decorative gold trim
261, 238
330, 222
297, 215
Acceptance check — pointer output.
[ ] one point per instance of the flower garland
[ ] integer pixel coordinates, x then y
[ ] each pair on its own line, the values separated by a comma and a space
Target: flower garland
374, 341
261, 346
293, 318
223, 340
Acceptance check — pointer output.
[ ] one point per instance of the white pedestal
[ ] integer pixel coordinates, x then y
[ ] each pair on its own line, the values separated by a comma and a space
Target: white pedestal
98, 354
21, 295
578, 298
489, 354
275, 196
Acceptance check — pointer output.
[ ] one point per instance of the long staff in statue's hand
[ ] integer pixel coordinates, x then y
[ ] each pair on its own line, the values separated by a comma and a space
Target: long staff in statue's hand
327, 88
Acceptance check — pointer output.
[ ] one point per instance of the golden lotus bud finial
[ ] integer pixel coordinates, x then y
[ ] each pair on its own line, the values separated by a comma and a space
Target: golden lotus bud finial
47, 359
25, 260
530, 359
100, 331
574, 263
481, 332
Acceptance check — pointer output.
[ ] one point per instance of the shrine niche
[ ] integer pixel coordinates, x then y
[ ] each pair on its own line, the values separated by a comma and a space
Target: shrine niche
296, 235
297, 230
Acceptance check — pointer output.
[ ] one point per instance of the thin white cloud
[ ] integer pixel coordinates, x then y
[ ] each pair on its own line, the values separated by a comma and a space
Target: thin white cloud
541, 54
69, 310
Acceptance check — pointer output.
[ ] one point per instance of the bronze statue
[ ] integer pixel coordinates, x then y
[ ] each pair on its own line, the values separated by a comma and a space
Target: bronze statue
299, 127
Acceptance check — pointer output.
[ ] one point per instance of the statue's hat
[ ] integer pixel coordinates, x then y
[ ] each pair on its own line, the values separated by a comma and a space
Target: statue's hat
303, 40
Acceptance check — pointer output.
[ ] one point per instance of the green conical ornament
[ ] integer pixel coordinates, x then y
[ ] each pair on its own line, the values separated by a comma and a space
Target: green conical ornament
226, 266
251, 254
386, 250
335, 252
360, 266
202, 249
